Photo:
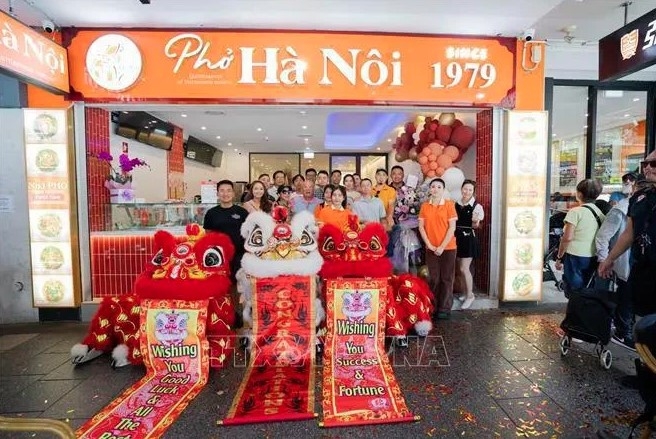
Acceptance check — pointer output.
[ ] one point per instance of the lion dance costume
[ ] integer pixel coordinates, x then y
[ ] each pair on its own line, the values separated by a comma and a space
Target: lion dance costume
359, 251
193, 268
275, 248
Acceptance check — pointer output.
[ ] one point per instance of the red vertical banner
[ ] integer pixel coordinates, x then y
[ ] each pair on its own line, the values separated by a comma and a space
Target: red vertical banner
176, 356
279, 382
359, 386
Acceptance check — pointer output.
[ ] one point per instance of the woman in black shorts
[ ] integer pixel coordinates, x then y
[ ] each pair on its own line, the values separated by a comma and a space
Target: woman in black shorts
470, 215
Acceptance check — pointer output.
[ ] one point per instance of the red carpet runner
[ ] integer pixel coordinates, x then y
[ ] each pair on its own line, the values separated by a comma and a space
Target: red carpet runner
176, 357
359, 386
279, 382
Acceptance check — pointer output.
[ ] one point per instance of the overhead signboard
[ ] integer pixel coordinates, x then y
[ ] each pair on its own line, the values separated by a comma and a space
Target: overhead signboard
290, 67
628, 49
31, 57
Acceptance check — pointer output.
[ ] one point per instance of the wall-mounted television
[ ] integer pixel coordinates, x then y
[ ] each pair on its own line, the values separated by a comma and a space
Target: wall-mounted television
202, 152
144, 128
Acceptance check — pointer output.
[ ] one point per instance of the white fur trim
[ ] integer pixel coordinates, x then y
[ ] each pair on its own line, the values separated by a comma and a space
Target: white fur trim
79, 350
423, 327
120, 355
266, 224
304, 220
246, 313
257, 267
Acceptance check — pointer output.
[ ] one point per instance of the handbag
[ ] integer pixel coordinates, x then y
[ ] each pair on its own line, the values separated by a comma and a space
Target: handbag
595, 215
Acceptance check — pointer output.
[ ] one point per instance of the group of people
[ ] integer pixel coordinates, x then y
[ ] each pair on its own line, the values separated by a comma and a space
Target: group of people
618, 243
447, 227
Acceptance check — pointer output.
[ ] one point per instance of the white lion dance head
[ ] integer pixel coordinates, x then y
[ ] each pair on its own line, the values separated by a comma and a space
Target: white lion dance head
275, 247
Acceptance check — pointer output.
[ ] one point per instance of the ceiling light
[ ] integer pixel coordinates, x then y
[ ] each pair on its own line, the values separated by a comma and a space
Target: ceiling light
183, 115
627, 115
389, 140
636, 99
259, 129
303, 112
304, 127
553, 135
229, 144
266, 138
203, 128
236, 150
585, 126
378, 149
218, 137
125, 112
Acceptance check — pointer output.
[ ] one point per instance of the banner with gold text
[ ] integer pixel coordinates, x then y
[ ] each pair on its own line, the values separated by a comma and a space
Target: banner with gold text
359, 386
279, 382
176, 356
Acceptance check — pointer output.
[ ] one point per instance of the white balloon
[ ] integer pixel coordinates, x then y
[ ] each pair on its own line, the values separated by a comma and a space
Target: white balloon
453, 179
415, 136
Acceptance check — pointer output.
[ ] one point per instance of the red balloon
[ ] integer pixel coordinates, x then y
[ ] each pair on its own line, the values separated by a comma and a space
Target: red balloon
459, 158
410, 128
433, 126
456, 123
444, 133
463, 136
428, 119
431, 136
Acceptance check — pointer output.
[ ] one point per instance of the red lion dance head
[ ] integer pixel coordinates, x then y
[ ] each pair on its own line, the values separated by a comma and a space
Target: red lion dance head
195, 267
361, 252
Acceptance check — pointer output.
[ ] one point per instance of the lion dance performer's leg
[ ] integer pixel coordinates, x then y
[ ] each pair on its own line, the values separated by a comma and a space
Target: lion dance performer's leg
112, 325
220, 333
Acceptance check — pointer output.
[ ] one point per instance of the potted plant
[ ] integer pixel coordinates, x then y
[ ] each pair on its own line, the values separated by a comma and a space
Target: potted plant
119, 180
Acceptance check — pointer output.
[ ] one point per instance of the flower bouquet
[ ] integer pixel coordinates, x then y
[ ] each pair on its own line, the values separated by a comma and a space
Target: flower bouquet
119, 180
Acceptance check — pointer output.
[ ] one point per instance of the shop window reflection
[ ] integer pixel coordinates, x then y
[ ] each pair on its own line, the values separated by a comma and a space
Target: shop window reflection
270, 163
369, 164
620, 136
568, 143
319, 162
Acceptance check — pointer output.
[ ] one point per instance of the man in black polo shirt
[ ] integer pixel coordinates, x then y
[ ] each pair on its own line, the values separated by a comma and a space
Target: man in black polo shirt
228, 218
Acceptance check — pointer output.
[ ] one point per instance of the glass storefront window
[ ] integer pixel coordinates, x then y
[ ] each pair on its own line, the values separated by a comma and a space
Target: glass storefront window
347, 164
569, 125
620, 137
270, 163
369, 164
319, 162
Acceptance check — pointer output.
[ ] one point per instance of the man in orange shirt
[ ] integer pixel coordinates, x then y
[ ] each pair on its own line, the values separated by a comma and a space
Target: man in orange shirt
437, 226
386, 194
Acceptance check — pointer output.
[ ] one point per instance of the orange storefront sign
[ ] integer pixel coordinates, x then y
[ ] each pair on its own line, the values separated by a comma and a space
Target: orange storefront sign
290, 67
32, 57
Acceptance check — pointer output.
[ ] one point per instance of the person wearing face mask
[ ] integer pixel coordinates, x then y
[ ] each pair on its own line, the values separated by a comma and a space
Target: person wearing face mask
605, 239
437, 226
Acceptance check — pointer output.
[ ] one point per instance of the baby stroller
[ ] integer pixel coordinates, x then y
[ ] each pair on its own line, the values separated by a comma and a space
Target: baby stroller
556, 225
588, 317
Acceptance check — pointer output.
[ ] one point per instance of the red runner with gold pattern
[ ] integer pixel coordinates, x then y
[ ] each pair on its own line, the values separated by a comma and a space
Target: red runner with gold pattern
176, 356
359, 386
279, 382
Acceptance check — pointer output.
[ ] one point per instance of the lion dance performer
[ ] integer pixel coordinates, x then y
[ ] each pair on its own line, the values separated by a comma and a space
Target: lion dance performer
196, 267
359, 251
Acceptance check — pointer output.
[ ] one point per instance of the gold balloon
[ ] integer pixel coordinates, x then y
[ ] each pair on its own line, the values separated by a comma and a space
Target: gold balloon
423, 272
447, 118
419, 122
412, 155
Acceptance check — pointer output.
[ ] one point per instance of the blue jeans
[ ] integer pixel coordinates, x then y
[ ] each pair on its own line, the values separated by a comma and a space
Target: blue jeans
577, 272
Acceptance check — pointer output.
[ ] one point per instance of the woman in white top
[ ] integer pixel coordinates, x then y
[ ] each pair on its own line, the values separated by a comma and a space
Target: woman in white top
257, 199
470, 215
352, 195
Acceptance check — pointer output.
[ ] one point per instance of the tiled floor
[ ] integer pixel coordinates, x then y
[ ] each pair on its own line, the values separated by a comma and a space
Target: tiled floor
496, 374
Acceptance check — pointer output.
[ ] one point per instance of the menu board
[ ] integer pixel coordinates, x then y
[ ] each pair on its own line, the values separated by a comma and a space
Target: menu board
49, 199
526, 190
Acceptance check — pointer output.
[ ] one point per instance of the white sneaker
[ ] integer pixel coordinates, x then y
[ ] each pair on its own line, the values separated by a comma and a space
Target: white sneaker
467, 303
462, 298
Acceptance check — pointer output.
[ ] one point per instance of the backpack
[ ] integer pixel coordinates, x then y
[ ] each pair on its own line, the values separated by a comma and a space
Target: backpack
643, 253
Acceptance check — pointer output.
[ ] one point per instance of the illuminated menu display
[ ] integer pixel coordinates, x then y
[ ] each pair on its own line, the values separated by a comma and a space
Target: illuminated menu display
526, 188
49, 201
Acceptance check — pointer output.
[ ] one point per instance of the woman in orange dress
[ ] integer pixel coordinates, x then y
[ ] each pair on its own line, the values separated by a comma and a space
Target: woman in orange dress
336, 212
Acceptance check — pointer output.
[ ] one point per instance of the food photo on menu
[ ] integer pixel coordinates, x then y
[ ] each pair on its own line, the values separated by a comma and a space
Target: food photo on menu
52, 289
51, 258
45, 127
49, 225
524, 222
46, 160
